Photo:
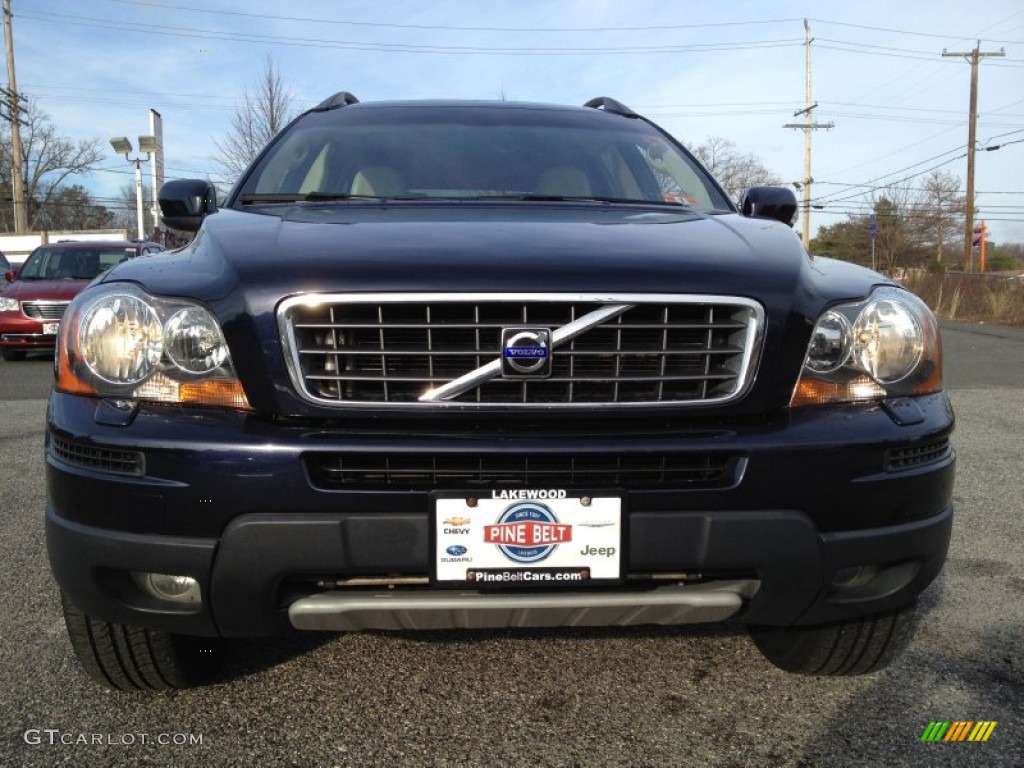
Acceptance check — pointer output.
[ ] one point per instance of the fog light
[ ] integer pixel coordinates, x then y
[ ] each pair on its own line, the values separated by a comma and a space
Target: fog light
846, 577
857, 576
165, 586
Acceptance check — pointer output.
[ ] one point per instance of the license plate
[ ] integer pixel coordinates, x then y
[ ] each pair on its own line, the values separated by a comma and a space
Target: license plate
50, 329
528, 538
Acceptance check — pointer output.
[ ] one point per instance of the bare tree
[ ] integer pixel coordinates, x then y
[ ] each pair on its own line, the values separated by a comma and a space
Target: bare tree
930, 217
891, 231
71, 207
939, 213
47, 158
734, 171
261, 114
124, 209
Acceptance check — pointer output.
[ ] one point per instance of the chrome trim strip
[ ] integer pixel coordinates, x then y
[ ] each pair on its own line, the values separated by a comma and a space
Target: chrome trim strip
339, 611
748, 361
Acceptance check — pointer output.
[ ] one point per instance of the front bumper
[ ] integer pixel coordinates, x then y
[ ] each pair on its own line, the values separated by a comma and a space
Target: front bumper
817, 524
20, 332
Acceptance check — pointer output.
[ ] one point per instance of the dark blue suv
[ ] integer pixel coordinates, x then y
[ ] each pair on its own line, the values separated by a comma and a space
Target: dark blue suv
468, 364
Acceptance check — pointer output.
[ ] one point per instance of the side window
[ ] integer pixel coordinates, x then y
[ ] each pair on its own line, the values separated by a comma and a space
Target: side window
108, 259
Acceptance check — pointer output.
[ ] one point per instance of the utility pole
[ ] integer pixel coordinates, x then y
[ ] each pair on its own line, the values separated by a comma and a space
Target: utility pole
20, 211
808, 126
973, 57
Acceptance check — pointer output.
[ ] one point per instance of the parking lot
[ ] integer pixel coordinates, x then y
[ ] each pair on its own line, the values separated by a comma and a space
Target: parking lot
641, 697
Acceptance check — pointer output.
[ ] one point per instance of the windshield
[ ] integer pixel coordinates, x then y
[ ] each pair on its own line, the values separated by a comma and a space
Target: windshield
477, 152
71, 263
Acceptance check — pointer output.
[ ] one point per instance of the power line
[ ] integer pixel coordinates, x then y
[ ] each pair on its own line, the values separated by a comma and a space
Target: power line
192, 32
908, 32
893, 173
450, 28
1012, 63
542, 30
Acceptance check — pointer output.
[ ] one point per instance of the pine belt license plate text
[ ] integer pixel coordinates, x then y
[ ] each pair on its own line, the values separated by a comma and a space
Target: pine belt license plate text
528, 538
50, 329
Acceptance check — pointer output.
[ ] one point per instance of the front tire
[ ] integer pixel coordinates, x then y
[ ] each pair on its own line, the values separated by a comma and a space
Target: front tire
852, 647
127, 658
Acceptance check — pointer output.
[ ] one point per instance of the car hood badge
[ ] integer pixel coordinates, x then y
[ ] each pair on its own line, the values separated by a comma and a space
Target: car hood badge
525, 353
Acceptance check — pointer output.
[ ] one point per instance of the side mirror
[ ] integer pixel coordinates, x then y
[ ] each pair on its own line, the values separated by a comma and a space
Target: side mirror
184, 203
9, 275
777, 203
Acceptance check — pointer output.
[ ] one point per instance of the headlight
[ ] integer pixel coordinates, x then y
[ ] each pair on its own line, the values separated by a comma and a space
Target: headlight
887, 341
121, 339
194, 341
886, 346
830, 343
8, 305
118, 341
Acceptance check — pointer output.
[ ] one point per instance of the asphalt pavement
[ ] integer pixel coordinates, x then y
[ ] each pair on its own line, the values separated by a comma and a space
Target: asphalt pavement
699, 696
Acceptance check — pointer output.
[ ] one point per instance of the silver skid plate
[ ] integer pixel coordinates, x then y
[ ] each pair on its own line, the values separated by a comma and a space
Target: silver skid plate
342, 611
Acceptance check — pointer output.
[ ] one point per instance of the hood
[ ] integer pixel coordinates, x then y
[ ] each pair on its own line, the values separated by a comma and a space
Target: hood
64, 289
474, 248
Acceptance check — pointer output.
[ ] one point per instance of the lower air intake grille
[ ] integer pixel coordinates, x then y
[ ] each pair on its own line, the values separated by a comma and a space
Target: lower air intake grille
916, 455
99, 459
461, 472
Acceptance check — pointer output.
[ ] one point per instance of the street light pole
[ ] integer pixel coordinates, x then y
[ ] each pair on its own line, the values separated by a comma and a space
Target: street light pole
138, 199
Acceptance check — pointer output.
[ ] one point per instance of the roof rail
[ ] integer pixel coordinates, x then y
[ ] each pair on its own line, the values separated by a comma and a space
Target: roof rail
611, 105
340, 99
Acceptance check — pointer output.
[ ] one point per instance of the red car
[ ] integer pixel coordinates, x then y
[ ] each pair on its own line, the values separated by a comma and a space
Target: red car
32, 305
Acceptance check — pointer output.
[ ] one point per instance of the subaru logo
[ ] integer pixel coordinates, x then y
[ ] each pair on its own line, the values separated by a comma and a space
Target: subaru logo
525, 353
456, 550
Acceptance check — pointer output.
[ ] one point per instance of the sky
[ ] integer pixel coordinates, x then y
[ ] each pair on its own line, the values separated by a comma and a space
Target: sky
733, 70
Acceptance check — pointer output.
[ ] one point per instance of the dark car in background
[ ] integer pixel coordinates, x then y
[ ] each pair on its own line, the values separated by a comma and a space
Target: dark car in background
440, 365
5, 271
32, 305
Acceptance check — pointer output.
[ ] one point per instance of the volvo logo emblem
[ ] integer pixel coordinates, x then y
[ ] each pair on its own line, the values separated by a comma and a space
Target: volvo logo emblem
525, 353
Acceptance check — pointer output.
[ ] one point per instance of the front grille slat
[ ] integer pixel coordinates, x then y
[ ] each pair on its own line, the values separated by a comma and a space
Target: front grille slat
44, 310
391, 349
465, 472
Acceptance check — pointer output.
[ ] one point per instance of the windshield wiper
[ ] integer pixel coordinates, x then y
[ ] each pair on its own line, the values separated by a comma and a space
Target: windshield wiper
302, 197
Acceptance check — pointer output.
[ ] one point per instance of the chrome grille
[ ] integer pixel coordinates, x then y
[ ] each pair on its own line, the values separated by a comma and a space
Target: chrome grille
44, 310
394, 349
371, 471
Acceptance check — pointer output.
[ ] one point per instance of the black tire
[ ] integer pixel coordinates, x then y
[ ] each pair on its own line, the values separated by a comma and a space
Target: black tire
127, 658
853, 647
12, 354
